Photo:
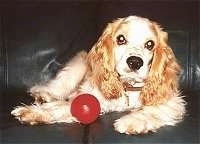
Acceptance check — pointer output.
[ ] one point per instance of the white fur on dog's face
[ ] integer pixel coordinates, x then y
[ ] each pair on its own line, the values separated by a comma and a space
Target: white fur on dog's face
136, 31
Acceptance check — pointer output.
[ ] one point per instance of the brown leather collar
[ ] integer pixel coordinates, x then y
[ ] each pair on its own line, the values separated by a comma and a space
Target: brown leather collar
129, 87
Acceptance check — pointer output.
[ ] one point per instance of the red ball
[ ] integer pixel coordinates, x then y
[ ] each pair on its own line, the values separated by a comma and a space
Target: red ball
85, 108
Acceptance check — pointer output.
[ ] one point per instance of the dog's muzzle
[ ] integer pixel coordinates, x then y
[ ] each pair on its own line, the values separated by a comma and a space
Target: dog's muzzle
134, 62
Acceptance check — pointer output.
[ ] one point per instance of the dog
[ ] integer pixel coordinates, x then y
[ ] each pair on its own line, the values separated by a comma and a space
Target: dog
130, 68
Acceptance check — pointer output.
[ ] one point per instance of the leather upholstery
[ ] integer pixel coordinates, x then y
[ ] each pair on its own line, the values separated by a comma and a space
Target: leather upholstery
38, 37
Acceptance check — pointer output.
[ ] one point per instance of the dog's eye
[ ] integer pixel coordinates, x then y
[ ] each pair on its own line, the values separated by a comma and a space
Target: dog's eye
121, 40
149, 45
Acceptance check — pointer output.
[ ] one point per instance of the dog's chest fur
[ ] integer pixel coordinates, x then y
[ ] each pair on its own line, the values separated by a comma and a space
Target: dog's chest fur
128, 100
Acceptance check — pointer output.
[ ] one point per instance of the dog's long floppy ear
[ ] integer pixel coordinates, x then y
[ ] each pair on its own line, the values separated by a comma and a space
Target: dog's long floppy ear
162, 81
101, 62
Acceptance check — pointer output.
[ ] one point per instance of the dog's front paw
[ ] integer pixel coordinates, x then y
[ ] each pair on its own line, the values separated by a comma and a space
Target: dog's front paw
47, 113
130, 125
25, 114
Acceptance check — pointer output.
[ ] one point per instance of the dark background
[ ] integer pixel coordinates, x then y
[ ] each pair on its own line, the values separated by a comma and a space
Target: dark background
35, 35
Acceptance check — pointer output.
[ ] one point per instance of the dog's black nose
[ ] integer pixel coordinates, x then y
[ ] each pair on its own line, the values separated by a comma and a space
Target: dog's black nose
134, 62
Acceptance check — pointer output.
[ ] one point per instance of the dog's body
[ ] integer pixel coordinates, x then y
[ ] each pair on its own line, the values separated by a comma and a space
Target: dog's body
130, 68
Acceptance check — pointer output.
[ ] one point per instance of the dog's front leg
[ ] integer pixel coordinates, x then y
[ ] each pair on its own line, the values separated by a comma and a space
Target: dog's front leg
48, 113
150, 118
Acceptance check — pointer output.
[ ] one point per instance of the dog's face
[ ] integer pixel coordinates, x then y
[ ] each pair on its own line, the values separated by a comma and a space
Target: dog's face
134, 42
134, 50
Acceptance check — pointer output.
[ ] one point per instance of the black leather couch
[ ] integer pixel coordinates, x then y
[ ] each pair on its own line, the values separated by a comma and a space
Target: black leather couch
37, 37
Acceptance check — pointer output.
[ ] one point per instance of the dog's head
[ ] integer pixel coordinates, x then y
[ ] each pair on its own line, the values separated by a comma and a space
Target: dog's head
135, 50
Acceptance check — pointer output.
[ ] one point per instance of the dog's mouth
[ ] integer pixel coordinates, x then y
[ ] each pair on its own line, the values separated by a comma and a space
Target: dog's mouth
133, 83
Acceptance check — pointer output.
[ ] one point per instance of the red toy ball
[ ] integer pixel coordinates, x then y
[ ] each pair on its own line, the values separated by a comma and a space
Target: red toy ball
85, 108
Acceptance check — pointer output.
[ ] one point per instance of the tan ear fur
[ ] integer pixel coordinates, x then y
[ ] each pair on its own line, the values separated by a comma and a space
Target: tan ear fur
162, 81
101, 62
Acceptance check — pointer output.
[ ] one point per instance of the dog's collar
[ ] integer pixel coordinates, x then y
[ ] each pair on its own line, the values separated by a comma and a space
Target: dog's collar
128, 87
137, 87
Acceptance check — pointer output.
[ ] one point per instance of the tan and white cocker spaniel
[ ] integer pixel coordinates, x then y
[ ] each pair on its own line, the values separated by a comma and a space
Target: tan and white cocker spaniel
130, 68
